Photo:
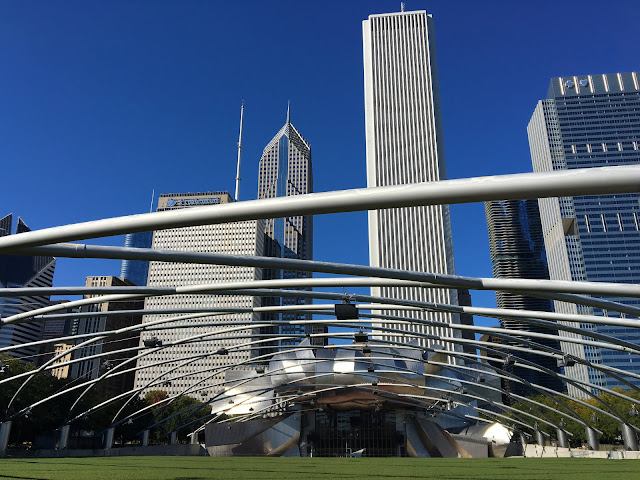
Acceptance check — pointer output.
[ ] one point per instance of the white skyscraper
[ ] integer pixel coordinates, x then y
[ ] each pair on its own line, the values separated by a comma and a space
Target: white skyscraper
236, 238
404, 145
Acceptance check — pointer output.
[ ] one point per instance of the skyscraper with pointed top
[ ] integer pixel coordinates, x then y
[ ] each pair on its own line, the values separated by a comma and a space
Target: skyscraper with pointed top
285, 169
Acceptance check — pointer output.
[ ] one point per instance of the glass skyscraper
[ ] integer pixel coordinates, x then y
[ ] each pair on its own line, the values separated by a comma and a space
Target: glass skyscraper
285, 169
517, 251
136, 271
591, 121
22, 271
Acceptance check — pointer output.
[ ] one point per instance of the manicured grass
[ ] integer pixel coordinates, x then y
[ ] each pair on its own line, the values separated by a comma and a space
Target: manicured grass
189, 468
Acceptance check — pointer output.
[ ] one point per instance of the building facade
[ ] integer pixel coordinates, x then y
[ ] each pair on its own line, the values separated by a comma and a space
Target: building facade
591, 121
517, 251
192, 365
285, 169
136, 271
22, 271
404, 144
92, 368
55, 329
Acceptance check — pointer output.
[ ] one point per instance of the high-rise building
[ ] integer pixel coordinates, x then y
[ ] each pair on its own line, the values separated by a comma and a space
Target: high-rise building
591, 121
136, 271
464, 300
205, 368
54, 329
22, 271
517, 251
92, 368
404, 144
285, 169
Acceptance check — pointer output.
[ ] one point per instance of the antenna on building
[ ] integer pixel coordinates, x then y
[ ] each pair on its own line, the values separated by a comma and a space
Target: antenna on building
153, 196
237, 196
288, 108
402, 6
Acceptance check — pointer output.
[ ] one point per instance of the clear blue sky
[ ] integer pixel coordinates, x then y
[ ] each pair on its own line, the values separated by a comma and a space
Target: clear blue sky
101, 102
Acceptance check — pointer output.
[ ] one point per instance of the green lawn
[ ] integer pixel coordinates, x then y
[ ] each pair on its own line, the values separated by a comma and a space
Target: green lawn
186, 468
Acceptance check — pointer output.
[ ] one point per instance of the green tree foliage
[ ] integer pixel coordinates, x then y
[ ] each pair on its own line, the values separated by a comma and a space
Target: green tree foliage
50, 416
167, 412
40, 419
610, 427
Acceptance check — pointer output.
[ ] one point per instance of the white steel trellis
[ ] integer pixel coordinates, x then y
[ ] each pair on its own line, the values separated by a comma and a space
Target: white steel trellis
623, 179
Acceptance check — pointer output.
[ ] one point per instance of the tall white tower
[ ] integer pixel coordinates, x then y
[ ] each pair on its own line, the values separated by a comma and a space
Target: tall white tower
404, 145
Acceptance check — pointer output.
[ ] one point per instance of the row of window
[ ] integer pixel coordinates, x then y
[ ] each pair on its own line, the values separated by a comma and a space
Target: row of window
604, 147
602, 221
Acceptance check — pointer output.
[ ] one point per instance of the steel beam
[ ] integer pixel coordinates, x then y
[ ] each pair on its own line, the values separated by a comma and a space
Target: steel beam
563, 441
5, 432
108, 438
592, 438
629, 437
587, 181
63, 441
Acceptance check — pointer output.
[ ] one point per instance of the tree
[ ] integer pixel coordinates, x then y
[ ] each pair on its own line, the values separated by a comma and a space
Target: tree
610, 427
183, 409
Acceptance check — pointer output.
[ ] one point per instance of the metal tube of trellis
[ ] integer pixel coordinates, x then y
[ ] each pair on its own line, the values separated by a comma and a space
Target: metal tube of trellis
434, 280
97, 251
174, 397
159, 348
591, 181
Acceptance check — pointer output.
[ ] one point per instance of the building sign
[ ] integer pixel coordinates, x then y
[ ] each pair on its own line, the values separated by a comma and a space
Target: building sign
192, 202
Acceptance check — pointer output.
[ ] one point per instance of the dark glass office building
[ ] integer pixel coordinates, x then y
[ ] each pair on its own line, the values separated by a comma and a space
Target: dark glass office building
592, 121
517, 251
22, 271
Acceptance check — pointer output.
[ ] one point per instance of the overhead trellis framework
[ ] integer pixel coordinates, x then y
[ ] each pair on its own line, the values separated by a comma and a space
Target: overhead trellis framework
458, 376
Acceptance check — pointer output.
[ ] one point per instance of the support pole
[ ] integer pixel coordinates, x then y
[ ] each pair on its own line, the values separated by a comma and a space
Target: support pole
145, 438
563, 441
193, 438
5, 431
540, 437
629, 438
63, 443
108, 438
592, 438
523, 440
173, 438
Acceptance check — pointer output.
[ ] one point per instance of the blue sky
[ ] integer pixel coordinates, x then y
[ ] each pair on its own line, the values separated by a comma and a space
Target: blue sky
102, 102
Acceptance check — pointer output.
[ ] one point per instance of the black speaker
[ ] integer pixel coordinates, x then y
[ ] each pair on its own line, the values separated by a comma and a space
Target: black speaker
346, 311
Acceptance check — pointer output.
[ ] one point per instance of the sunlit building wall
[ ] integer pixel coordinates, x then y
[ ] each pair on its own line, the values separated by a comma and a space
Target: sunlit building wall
404, 144
193, 364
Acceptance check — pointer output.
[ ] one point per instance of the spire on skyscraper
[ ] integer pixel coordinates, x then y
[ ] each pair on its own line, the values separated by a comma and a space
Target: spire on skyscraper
288, 113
